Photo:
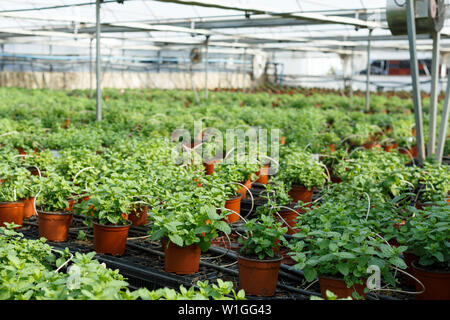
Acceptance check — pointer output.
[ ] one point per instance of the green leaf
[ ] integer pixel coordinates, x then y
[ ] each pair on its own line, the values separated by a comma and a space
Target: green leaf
310, 274
176, 239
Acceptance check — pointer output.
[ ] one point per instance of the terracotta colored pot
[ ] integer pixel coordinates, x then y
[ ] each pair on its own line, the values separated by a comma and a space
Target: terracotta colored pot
409, 258
54, 226
339, 288
11, 212
110, 239
28, 209
390, 147
234, 205
242, 190
371, 145
437, 284
290, 217
139, 216
300, 193
71, 204
263, 175
181, 260
209, 166
410, 152
283, 140
258, 277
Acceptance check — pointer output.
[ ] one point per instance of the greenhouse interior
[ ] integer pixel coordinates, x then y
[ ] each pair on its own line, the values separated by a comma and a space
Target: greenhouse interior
225, 150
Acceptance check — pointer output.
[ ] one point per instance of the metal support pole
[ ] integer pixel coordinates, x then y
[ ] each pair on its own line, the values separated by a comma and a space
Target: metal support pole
50, 51
2, 66
368, 71
98, 62
245, 70
352, 71
158, 66
410, 20
444, 124
434, 95
206, 67
91, 78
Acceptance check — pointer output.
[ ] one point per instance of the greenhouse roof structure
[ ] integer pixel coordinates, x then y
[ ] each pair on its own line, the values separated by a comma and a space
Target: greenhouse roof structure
145, 25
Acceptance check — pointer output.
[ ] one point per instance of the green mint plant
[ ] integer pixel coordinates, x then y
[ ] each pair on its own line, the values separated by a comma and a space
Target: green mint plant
298, 167
425, 233
263, 236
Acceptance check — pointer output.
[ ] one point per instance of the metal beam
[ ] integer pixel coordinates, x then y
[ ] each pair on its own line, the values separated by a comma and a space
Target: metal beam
260, 9
368, 73
98, 62
434, 95
410, 20
444, 124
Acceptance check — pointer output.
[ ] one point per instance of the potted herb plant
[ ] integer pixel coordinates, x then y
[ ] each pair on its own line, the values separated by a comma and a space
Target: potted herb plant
259, 259
54, 216
107, 210
302, 173
338, 249
185, 226
11, 210
426, 236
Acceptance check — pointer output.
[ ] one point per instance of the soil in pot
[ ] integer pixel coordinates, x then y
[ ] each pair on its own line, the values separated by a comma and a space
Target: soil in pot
54, 226
339, 288
11, 212
110, 239
300, 193
234, 205
258, 277
28, 208
181, 260
139, 216
436, 282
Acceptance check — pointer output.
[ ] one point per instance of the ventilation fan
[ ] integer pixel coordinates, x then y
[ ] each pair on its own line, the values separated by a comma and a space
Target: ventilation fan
195, 55
430, 16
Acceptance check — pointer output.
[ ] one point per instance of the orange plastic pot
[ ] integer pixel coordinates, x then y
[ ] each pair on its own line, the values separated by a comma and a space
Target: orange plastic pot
54, 226
181, 260
28, 208
410, 152
209, 166
11, 212
371, 145
390, 147
263, 175
409, 258
110, 239
139, 216
258, 277
301, 193
339, 288
290, 218
234, 205
242, 190
437, 284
